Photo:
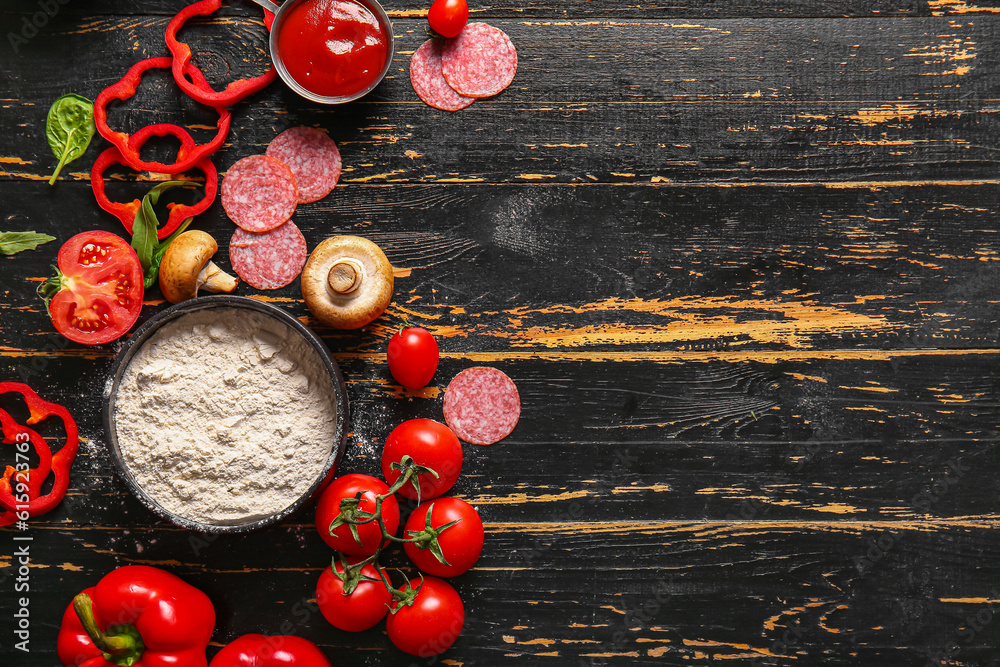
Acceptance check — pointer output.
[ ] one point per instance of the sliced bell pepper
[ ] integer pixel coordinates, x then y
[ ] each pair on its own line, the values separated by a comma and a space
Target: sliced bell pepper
183, 67
59, 464
276, 651
16, 500
137, 615
127, 144
178, 212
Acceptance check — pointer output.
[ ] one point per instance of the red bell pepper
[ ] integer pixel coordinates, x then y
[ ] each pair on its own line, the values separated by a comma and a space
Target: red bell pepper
137, 615
178, 212
16, 485
127, 144
183, 67
277, 651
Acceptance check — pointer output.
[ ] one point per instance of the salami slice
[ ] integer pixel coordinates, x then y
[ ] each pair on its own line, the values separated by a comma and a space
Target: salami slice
481, 405
480, 62
270, 260
312, 156
428, 81
259, 193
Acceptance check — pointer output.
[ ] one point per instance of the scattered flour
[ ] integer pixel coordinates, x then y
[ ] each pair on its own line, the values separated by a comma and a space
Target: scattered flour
225, 416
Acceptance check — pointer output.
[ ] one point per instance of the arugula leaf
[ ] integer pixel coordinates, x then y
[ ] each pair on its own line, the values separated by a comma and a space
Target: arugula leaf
69, 128
12, 243
161, 249
144, 227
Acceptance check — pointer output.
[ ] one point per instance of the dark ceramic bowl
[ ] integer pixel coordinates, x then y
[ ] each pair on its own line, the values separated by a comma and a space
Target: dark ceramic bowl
135, 343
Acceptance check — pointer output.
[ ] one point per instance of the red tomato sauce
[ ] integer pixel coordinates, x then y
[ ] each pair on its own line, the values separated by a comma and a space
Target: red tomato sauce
335, 48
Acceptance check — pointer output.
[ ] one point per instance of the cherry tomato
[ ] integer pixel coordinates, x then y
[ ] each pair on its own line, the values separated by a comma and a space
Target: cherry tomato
430, 444
328, 508
448, 17
362, 609
413, 357
432, 624
460, 544
97, 294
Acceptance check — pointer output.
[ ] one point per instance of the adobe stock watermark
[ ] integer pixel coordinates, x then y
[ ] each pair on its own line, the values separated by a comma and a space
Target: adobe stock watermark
577, 509
638, 617
879, 546
21, 558
972, 627
31, 25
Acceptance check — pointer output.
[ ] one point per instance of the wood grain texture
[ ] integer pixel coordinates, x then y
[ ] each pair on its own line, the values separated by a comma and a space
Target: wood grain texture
719, 101
740, 258
597, 8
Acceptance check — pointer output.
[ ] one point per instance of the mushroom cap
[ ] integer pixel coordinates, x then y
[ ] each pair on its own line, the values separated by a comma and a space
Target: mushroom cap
182, 262
347, 282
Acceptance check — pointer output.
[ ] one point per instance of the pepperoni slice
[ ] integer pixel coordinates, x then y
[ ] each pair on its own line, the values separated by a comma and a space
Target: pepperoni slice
428, 81
259, 193
270, 260
312, 156
480, 62
481, 405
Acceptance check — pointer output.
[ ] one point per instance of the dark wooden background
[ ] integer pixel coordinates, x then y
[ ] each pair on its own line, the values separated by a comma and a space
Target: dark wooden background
741, 259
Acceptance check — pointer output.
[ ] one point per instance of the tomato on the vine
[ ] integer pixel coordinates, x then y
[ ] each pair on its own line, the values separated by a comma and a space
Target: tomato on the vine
432, 623
329, 508
459, 544
430, 444
97, 293
413, 357
448, 17
362, 609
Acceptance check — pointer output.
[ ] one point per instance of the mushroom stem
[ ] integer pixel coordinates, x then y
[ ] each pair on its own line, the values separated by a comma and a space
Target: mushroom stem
213, 279
347, 282
345, 276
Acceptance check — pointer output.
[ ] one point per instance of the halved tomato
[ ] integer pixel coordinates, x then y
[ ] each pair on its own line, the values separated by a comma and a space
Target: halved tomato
97, 295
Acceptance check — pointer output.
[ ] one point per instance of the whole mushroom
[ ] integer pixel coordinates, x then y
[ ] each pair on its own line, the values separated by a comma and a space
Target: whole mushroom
347, 282
187, 267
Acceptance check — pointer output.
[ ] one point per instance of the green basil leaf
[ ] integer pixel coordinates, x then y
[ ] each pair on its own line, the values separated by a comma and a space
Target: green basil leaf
69, 128
12, 243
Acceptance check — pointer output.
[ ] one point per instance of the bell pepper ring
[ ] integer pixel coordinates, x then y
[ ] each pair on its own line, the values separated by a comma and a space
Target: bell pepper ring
276, 651
137, 615
126, 144
20, 488
126, 212
183, 67
112, 156
12, 496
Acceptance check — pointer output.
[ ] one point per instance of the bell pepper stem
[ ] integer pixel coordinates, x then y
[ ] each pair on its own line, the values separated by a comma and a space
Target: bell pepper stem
84, 608
126, 645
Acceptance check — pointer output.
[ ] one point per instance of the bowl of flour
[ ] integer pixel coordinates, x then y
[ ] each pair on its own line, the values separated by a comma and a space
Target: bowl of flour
225, 414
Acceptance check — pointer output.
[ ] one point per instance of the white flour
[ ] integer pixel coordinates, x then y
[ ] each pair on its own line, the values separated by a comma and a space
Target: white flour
225, 415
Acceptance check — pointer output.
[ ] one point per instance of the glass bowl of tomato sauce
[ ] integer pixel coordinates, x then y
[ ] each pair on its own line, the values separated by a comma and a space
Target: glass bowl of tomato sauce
331, 51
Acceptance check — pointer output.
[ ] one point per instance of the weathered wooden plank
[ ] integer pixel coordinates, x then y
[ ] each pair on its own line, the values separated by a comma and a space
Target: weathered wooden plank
659, 593
665, 268
553, 8
909, 437
785, 100
743, 272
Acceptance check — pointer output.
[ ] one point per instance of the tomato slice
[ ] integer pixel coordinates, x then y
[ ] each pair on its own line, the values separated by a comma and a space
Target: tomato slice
99, 288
